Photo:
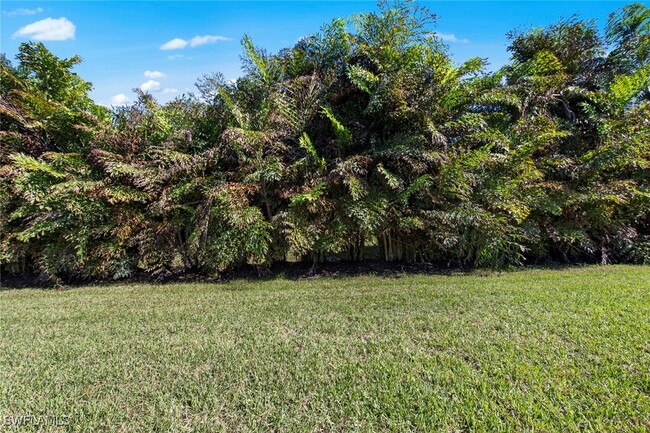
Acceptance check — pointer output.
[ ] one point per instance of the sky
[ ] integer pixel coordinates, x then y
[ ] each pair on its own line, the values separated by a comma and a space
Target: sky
165, 46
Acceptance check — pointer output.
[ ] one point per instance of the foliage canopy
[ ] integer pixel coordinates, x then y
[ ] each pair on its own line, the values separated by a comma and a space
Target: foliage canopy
363, 140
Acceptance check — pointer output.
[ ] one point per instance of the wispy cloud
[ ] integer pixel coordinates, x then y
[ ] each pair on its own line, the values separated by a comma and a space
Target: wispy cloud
207, 39
154, 74
150, 86
49, 29
179, 44
120, 100
174, 44
178, 56
451, 37
170, 90
25, 12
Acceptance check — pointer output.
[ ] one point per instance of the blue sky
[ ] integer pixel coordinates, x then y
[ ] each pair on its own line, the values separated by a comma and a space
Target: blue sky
122, 43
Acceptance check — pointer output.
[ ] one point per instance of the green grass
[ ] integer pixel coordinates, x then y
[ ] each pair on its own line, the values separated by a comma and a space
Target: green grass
536, 350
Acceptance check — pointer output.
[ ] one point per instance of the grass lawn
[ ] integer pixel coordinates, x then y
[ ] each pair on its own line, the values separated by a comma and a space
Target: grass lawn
535, 350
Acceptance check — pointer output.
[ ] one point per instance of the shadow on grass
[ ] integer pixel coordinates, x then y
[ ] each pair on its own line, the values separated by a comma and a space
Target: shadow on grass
287, 271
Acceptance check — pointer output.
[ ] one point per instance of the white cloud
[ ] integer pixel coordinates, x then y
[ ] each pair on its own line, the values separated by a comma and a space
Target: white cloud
154, 74
49, 29
207, 39
179, 44
450, 37
170, 90
150, 86
174, 44
120, 100
25, 11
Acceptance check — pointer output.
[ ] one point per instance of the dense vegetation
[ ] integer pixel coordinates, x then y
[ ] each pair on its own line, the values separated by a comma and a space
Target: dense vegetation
362, 140
526, 351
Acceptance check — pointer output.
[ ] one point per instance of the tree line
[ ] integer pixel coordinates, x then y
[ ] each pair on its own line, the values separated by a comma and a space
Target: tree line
363, 140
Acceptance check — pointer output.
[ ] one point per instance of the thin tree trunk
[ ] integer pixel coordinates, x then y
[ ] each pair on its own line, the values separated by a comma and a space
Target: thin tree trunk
604, 257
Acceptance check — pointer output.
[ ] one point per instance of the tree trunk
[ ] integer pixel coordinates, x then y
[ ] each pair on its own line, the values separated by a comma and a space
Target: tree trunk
393, 247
